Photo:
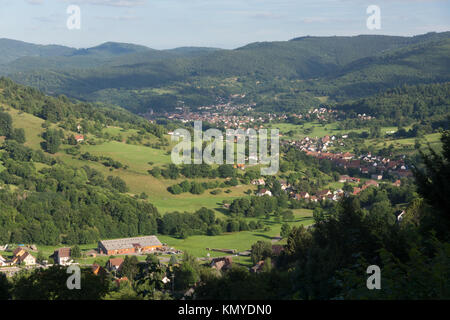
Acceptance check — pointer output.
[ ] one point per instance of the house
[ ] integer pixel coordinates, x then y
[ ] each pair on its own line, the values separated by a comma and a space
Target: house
356, 191
95, 269
2, 261
62, 256
165, 280
258, 182
401, 216
24, 257
21, 255
98, 270
376, 176
346, 178
79, 138
347, 155
264, 192
302, 195
370, 183
332, 197
257, 267
18, 252
129, 245
222, 264
322, 195
284, 185
313, 199
27, 259
121, 280
397, 183
114, 264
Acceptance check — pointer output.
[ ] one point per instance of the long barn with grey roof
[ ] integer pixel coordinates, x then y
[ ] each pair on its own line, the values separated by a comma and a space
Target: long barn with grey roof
129, 245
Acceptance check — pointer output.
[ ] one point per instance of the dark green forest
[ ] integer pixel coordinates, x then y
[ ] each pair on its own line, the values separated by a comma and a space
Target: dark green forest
297, 71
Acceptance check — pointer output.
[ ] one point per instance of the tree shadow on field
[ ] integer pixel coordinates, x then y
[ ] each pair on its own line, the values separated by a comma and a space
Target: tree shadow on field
222, 210
263, 236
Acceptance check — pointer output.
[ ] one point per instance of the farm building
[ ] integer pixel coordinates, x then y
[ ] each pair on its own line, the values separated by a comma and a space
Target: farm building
23, 256
62, 256
129, 245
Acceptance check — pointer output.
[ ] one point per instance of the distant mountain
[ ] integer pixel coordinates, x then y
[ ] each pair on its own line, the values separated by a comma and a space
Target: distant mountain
290, 73
111, 49
192, 51
11, 50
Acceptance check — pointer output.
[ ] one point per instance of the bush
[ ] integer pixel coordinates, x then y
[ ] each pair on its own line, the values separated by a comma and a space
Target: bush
214, 230
233, 226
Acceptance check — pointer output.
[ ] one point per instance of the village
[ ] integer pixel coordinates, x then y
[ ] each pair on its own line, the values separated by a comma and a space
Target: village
23, 257
367, 165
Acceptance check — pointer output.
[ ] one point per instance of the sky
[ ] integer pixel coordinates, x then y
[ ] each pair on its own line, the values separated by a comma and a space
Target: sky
165, 24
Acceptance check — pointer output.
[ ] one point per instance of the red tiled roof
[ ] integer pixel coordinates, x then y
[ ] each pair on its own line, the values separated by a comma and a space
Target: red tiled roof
116, 262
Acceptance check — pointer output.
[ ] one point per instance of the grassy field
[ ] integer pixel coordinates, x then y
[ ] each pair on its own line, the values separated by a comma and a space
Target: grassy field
31, 124
318, 130
433, 139
197, 245
137, 157
239, 241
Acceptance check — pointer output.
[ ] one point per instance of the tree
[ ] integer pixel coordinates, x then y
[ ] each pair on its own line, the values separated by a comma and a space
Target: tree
226, 171
267, 266
152, 259
71, 140
75, 252
129, 267
118, 183
261, 250
52, 140
5, 287
173, 260
347, 187
6, 125
285, 230
287, 215
156, 172
233, 226
214, 230
50, 284
187, 274
18, 135
433, 183
197, 188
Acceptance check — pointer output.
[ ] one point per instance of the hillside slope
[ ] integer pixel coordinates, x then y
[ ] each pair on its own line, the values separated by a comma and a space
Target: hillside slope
337, 67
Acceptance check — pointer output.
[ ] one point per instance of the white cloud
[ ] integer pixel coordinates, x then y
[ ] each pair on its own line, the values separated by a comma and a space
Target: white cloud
35, 1
113, 3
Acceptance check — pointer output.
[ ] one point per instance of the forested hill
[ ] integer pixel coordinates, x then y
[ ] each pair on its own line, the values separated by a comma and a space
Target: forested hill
426, 103
11, 50
69, 113
44, 197
339, 68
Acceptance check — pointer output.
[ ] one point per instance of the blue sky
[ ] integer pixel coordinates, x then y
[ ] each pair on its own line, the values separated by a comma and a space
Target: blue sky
163, 24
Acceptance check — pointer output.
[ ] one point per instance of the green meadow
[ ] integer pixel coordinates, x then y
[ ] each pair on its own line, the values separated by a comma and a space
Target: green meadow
318, 130
433, 139
198, 244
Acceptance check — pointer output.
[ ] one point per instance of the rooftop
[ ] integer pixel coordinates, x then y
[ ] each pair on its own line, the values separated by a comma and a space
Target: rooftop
126, 243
